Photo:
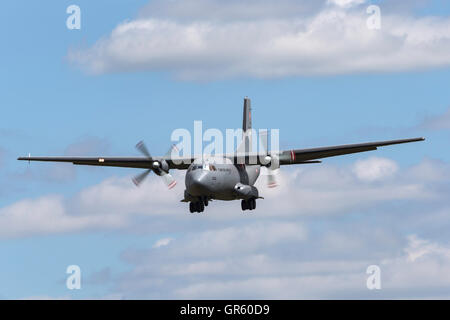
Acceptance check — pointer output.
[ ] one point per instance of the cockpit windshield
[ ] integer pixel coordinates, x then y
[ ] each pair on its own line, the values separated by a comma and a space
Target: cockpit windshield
204, 166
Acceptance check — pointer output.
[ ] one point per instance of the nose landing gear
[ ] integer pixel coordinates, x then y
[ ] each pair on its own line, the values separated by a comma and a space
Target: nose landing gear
198, 206
249, 204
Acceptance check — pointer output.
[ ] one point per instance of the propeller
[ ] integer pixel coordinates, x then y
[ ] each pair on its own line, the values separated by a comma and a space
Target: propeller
143, 149
137, 180
271, 162
158, 166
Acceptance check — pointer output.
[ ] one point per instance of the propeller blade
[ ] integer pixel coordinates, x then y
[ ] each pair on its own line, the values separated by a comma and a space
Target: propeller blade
271, 179
141, 177
143, 149
168, 180
173, 148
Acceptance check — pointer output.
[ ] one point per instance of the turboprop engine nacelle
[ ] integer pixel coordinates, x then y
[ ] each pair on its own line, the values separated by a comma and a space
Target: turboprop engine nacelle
244, 191
271, 162
159, 166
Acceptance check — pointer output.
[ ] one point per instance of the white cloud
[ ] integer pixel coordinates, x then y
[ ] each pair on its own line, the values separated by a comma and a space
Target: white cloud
419, 248
333, 40
232, 10
116, 204
250, 237
346, 3
295, 273
423, 267
312, 238
162, 242
47, 215
375, 168
329, 189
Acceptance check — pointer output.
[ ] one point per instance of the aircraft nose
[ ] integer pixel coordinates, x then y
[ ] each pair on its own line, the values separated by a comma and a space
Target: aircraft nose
198, 184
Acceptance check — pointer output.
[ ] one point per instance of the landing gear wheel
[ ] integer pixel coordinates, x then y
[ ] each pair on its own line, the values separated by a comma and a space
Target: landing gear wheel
197, 206
252, 203
249, 204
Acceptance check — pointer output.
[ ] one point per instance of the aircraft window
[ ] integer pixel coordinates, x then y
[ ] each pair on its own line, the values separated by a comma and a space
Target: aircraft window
205, 166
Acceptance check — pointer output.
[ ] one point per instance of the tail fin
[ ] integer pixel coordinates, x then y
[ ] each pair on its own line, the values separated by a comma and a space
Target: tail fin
246, 144
247, 118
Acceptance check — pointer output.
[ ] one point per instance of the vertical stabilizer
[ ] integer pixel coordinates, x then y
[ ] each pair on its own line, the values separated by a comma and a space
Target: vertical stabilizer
246, 144
247, 118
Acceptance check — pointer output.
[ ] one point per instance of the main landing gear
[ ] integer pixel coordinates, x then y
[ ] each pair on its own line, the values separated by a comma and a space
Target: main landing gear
198, 206
249, 204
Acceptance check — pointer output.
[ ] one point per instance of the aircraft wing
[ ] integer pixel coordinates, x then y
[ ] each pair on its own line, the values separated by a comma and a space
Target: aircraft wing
298, 156
125, 162
295, 156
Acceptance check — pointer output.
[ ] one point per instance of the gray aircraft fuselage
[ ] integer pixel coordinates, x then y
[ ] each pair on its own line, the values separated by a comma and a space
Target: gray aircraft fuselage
220, 179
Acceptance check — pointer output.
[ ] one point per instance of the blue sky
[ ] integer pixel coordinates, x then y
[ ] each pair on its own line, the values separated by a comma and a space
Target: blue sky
55, 103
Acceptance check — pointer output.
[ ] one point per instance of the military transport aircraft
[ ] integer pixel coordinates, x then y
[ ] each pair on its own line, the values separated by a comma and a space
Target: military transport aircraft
222, 177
